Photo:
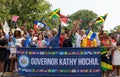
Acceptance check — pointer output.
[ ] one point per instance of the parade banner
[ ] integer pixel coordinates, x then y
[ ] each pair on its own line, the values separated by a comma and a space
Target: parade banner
84, 62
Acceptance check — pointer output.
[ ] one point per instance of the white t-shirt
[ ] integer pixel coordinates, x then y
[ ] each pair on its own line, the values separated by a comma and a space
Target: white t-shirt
34, 39
13, 48
98, 40
19, 42
78, 40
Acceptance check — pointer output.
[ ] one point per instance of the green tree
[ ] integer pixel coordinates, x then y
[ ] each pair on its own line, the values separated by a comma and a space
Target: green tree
116, 29
26, 9
86, 16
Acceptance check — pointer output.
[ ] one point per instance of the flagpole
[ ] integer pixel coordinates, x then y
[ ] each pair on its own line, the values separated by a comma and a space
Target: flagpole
16, 25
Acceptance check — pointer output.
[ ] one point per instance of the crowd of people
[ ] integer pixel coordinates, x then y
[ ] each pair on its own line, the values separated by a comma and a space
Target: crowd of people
76, 37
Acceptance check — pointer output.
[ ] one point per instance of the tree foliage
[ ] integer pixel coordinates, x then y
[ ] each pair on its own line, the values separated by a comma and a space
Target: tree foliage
116, 29
27, 10
86, 16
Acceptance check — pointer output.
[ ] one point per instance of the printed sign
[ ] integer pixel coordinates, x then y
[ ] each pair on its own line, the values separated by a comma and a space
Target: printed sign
59, 62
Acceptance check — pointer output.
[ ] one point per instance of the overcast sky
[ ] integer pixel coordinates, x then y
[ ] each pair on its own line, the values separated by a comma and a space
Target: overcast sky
100, 7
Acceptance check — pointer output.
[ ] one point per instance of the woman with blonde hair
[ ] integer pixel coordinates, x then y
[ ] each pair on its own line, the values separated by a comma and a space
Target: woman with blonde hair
54, 40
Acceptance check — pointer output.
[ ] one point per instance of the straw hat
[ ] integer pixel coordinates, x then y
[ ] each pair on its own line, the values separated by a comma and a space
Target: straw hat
18, 29
54, 29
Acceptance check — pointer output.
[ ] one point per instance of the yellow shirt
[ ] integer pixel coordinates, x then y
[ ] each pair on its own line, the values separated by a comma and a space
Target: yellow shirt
88, 43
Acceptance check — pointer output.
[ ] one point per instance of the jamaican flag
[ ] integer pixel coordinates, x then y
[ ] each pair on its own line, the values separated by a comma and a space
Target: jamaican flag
55, 13
101, 19
106, 62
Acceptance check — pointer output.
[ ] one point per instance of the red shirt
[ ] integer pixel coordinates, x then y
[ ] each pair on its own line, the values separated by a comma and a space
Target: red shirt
61, 40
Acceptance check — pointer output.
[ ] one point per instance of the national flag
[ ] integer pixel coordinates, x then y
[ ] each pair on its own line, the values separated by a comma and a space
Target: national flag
64, 20
63, 16
106, 62
38, 24
90, 34
6, 28
101, 19
55, 13
15, 18
44, 21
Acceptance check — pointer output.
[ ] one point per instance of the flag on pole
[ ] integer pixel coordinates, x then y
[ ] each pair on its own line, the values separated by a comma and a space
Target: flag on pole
38, 24
64, 20
6, 28
101, 19
15, 18
55, 14
90, 34
44, 21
